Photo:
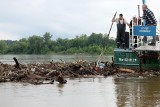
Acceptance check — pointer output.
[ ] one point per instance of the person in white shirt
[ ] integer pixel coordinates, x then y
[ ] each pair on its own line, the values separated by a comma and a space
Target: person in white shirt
121, 28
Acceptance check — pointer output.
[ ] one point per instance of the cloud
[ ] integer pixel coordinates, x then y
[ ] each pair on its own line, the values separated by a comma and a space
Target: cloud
8, 36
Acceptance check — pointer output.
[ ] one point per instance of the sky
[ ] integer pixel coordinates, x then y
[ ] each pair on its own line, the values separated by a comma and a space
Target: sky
65, 18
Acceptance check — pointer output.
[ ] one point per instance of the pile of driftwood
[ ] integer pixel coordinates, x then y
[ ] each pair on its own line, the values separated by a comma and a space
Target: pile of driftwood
48, 73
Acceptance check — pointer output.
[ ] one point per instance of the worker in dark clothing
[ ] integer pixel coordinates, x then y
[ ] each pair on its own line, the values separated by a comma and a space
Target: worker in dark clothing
150, 20
121, 28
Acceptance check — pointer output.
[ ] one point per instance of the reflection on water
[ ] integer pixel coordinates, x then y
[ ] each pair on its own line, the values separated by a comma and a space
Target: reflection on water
138, 92
91, 92
86, 92
60, 88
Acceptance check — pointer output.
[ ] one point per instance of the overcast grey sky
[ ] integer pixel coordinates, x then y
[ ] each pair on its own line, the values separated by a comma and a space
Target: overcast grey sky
64, 18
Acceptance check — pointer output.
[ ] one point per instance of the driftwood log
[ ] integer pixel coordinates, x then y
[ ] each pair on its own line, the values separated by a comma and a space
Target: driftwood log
61, 79
126, 70
17, 63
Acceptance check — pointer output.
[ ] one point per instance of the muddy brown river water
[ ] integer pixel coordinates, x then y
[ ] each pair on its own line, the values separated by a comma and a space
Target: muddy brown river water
80, 92
86, 92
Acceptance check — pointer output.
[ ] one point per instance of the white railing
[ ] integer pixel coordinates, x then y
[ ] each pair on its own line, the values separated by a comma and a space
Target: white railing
137, 41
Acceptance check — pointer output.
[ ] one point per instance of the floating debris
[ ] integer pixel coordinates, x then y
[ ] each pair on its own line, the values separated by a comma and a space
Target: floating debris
48, 73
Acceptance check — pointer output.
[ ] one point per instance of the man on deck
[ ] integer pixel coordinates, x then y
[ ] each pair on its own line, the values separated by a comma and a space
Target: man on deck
121, 28
150, 20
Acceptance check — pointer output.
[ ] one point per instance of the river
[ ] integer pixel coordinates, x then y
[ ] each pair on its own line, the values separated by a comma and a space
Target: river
82, 92
24, 59
86, 92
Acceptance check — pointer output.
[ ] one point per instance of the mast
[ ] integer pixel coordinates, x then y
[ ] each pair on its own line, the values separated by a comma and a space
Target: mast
144, 1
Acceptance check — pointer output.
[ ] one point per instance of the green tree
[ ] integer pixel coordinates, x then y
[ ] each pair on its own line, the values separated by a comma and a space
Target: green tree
42, 45
62, 44
95, 39
36, 45
79, 41
18, 48
3, 47
47, 38
47, 41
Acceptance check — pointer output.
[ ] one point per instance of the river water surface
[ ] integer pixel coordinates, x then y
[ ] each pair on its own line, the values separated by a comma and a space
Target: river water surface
82, 92
47, 58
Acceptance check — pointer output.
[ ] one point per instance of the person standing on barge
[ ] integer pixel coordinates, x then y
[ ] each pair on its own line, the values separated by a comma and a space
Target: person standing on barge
121, 28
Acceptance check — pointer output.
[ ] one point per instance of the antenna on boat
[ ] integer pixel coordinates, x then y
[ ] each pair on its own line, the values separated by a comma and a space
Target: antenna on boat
138, 11
144, 1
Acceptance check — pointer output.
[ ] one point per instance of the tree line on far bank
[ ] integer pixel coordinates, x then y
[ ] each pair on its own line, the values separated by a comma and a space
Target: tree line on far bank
36, 44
